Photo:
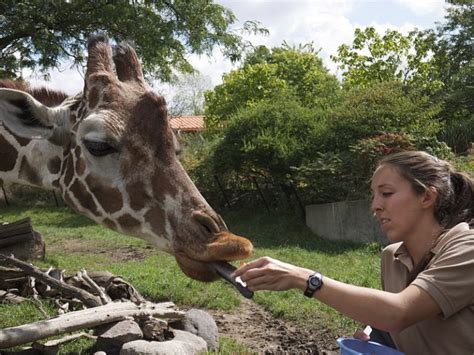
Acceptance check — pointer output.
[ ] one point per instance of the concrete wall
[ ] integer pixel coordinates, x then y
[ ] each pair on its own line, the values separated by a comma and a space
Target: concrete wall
347, 220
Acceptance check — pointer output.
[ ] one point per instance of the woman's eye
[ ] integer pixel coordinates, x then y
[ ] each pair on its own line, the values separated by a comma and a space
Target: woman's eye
386, 194
99, 149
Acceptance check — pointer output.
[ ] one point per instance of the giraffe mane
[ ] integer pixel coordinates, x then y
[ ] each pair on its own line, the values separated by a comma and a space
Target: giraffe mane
44, 95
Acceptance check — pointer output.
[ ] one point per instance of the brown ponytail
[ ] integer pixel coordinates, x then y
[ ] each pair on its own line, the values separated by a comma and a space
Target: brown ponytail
463, 209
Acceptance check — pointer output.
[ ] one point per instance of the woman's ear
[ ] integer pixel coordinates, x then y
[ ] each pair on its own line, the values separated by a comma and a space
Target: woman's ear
429, 197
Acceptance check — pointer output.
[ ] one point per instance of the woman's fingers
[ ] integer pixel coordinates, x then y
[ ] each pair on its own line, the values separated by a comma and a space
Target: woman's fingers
251, 265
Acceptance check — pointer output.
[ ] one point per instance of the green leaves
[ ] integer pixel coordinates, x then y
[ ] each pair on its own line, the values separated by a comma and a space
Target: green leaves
42, 33
268, 74
392, 56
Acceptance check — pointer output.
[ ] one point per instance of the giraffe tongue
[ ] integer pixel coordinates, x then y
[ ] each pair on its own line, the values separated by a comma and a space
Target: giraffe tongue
224, 269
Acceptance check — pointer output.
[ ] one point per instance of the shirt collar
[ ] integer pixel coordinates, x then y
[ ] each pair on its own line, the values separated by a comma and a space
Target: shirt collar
401, 254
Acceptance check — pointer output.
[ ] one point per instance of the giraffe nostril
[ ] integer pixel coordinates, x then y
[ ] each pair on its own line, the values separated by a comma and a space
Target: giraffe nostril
206, 221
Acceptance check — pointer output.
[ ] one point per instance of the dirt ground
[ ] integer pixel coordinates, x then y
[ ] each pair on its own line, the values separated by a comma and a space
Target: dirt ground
256, 328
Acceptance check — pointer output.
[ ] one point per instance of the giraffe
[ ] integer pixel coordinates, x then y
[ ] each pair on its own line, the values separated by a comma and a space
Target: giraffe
112, 155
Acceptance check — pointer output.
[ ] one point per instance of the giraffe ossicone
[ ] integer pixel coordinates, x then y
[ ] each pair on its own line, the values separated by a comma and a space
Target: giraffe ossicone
112, 155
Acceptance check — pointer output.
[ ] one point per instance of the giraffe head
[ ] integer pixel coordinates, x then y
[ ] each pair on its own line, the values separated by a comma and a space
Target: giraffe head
117, 161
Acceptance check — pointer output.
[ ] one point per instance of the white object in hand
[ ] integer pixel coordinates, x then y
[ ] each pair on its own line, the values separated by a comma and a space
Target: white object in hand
239, 280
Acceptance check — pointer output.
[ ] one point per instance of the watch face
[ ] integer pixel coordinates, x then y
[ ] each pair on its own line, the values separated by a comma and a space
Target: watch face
314, 281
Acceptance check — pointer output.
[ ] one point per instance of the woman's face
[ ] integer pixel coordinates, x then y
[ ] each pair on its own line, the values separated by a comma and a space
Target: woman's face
395, 204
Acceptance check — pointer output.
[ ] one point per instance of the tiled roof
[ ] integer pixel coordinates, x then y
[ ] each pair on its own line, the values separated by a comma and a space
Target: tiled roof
187, 123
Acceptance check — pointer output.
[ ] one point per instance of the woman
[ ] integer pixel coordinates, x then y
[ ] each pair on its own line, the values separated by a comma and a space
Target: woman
427, 304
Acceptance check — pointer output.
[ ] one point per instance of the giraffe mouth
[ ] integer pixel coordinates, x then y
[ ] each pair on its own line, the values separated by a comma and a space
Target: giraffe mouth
226, 247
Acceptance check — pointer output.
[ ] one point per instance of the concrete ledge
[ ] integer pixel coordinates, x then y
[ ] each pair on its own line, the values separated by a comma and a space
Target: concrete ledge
346, 220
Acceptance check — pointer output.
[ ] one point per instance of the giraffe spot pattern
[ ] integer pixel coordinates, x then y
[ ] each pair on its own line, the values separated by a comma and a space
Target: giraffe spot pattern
28, 173
80, 166
109, 223
8, 155
54, 165
83, 197
69, 171
128, 222
110, 198
156, 217
80, 162
162, 182
136, 195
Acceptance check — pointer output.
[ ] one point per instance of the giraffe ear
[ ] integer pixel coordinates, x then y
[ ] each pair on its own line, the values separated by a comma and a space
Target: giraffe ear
26, 116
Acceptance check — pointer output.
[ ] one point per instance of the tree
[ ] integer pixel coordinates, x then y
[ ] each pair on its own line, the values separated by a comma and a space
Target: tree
186, 93
393, 56
454, 59
269, 74
380, 108
38, 34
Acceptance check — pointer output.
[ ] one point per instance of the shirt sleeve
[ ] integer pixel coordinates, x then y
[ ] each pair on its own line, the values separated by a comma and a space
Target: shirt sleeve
450, 277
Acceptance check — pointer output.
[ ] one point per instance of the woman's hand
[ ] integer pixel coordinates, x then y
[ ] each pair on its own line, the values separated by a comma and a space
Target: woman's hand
270, 274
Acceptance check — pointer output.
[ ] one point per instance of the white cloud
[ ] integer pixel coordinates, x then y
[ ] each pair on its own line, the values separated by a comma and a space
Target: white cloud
69, 80
422, 7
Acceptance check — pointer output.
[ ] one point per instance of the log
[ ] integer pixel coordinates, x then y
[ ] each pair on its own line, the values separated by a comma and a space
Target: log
20, 239
15, 239
88, 318
88, 299
22, 226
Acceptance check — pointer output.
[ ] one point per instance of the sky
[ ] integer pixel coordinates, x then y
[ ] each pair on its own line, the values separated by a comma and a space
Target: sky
325, 23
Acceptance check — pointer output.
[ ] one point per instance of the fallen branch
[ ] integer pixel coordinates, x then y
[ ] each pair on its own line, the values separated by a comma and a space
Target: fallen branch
69, 338
89, 299
8, 297
91, 283
88, 318
52, 346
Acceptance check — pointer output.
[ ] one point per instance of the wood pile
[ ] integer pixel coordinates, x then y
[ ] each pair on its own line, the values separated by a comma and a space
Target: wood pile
84, 300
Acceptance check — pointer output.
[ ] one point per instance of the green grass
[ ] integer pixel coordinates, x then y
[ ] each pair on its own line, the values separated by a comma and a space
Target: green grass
279, 235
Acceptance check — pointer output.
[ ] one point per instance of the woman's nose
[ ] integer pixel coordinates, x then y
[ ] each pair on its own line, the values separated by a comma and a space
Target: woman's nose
375, 205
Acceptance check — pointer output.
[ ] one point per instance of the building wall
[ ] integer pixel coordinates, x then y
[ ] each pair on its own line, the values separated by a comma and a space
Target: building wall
347, 220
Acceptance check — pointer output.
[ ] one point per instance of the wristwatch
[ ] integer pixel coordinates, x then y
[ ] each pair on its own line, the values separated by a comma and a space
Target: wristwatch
314, 283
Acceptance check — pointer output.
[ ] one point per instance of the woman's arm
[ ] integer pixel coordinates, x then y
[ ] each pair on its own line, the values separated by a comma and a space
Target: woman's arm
387, 311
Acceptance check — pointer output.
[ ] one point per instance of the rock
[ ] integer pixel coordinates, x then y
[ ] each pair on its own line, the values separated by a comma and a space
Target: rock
183, 343
154, 329
118, 334
202, 324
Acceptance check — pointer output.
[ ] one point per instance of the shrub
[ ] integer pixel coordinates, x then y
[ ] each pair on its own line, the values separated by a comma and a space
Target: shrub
382, 108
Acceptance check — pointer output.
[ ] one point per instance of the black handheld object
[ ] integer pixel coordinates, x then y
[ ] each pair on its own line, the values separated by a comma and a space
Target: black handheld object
224, 270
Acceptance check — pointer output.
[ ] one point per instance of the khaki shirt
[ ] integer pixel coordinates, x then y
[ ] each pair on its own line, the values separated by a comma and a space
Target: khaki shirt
449, 279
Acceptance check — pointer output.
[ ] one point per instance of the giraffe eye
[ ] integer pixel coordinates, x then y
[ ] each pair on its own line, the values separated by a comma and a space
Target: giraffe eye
99, 149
